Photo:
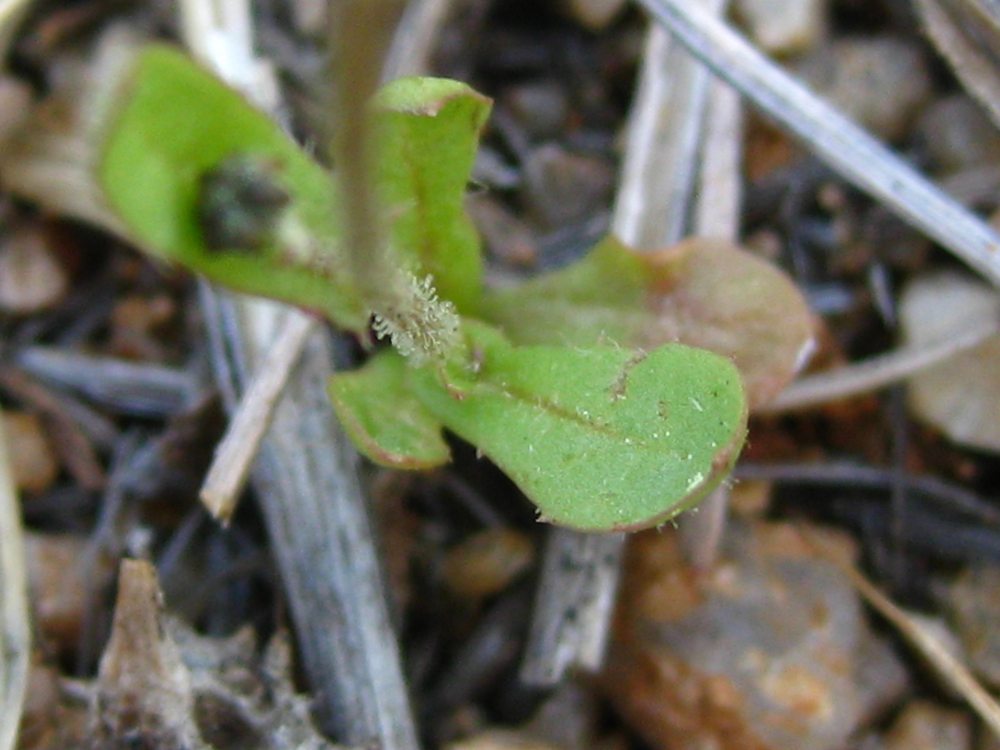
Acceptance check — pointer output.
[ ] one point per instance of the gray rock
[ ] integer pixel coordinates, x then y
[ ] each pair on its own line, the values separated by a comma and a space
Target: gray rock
783, 27
957, 134
880, 82
541, 107
770, 650
562, 188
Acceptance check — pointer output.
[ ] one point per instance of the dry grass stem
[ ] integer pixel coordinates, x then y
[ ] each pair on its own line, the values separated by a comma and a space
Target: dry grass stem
720, 178
235, 455
413, 42
876, 372
573, 605
949, 668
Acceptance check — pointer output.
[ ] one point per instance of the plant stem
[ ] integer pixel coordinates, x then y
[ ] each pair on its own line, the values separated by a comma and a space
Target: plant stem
407, 308
358, 35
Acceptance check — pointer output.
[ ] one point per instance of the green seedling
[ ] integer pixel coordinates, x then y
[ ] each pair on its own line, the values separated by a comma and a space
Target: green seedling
600, 436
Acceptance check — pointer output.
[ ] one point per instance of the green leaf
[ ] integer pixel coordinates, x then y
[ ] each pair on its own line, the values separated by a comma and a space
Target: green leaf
598, 437
384, 419
169, 124
426, 133
705, 293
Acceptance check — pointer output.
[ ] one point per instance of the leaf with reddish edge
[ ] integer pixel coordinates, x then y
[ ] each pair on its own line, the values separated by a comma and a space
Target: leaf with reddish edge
427, 131
704, 293
600, 438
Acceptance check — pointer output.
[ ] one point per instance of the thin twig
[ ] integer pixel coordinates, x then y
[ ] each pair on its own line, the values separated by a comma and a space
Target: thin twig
220, 33
950, 669
848, 149
876, 372
949, 496
15, 633
720, 189
132, 388
235, 455
324, 540
664, 133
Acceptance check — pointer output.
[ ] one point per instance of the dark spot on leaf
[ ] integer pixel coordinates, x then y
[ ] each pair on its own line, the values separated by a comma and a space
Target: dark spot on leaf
240, 203
620, 385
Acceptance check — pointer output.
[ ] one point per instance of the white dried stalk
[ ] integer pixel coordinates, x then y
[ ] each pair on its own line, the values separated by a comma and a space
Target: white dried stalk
219, 33
664, 130
413, 43
310, 472
235, 454
877, 372
720, 178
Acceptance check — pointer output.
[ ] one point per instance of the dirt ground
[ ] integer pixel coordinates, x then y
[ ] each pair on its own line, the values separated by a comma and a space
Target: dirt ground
411, 608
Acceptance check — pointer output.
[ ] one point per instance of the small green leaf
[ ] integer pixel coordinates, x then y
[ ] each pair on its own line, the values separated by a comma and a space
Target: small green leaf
705, 293
426, 134
169, 126
384, 419
599, 438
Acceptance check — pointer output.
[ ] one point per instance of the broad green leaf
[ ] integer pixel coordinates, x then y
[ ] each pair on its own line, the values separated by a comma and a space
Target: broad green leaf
427, 132
704, 293
169, 123
384, 419
598, 437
